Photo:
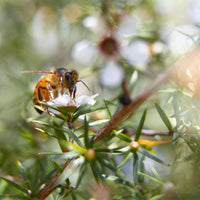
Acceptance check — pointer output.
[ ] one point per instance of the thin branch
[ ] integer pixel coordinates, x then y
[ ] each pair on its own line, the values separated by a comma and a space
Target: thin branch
49, 187
146, 132
128, 110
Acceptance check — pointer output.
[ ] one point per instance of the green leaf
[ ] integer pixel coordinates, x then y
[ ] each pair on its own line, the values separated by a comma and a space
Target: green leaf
58, 166
52, 107
176, 135
3, 186
22, 170
125, 160
13, 196
106, 163
82, 110
60, 129
86, 138
47, 177
120, 180
152, 156
67, 172
155, 173
135, 168
50, 153
157, 197
96, 171
73, 196
70, 154
98, 122
73, 136
151, 178
16, 186
81, 174
133, 80
141, 124
124, 137
164, 117
107, 108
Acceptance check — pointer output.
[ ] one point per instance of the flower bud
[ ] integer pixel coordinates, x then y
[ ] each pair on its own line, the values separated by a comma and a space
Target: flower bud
134, 145
90, 154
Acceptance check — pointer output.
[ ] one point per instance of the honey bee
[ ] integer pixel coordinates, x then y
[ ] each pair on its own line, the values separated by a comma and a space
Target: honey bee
48, 87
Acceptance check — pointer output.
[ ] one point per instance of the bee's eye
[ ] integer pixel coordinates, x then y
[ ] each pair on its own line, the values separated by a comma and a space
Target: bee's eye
67, 76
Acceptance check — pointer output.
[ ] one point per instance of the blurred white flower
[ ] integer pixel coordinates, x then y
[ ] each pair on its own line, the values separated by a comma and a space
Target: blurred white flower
127, 27
182, 38
83, 52
193, 11
84, 99
109, 47
166, 30
61, 100
137, 53
164, 7
158, 47
111, 74
65, 102
44, 31
95, 24
90, 22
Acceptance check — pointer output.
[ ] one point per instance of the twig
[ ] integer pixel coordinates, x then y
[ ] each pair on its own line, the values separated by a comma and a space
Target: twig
49, 187
126, 111
146, 132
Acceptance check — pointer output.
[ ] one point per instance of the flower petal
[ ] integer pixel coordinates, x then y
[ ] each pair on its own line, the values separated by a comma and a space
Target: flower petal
84, 99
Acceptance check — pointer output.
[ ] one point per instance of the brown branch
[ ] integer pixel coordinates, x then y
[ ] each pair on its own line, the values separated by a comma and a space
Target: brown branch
146, 132
49, 187
125, 111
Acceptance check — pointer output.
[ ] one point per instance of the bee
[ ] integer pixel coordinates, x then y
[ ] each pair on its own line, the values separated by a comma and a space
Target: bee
48, 87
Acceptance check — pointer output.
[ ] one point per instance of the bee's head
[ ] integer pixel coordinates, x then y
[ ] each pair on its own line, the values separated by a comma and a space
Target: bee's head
71, 78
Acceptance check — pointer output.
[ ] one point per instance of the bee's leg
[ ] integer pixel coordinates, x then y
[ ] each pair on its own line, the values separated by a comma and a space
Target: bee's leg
42, 98
54, 91
74, 93
62, 88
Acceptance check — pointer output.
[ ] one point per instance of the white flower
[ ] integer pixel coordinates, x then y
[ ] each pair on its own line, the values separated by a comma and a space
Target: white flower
127, 26
137, 53
95, 24
182, 38
83, 52
112, 74
164, 7
193, 11
158, 47
84, 99
68, 104
61, 100
44, 31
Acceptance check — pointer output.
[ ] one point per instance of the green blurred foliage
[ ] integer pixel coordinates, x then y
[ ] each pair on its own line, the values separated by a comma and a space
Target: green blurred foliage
21, 138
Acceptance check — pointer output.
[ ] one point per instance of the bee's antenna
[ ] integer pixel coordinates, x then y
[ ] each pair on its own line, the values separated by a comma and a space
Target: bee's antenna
47, 72
84, 84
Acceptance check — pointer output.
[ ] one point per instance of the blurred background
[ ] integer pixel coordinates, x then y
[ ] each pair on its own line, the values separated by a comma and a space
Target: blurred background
91, 37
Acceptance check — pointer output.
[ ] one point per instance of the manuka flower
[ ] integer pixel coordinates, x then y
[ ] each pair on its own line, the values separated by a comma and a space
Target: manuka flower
66, 104
109, 46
